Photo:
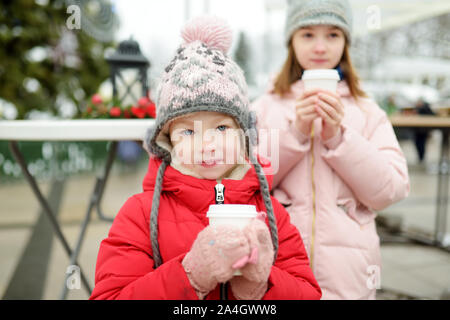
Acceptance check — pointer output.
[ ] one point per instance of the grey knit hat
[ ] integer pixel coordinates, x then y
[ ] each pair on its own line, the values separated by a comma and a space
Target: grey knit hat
202, 77
301, 13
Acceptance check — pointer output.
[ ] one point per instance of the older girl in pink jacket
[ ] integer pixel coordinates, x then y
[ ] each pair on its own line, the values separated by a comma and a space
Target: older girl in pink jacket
336, 158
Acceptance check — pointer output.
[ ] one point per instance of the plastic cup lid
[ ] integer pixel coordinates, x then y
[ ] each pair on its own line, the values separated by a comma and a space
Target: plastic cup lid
320, 74
234, 210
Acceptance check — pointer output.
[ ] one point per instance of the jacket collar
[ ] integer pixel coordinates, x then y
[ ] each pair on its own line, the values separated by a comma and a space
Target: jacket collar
198, 194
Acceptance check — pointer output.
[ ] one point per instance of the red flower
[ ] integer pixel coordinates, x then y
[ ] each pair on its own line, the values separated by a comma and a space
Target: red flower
151, 110
126, 114
96, 99
138, 112
89, 110
115, 112
143, 102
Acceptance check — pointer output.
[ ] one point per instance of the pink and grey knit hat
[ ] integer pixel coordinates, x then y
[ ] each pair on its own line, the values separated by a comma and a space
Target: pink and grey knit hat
201, 77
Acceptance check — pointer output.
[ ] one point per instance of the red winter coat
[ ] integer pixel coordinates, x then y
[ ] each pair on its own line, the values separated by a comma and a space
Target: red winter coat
125, 266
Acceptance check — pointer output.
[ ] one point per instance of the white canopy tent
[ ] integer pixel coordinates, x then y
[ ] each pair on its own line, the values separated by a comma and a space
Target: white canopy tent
393, 13
414, 70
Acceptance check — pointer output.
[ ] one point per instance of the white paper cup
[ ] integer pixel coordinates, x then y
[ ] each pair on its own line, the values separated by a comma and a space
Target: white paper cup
321, 78
238, 215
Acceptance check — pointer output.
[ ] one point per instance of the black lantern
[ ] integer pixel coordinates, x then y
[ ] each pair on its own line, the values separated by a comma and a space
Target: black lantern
128, 56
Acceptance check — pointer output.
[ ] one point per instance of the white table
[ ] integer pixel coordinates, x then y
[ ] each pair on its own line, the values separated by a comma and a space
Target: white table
73, 130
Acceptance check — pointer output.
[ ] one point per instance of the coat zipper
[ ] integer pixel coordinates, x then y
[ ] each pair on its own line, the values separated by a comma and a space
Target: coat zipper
313, 228
219, 192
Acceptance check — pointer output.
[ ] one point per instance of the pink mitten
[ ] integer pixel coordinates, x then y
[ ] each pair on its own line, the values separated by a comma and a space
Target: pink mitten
213, 256
252, 285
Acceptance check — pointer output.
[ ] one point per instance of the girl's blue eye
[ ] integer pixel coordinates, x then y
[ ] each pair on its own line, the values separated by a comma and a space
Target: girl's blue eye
187, 132
307, 35
222, 128
334, 35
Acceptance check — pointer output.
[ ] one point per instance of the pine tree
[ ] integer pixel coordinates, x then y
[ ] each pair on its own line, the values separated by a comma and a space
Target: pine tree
242, 57
42, 59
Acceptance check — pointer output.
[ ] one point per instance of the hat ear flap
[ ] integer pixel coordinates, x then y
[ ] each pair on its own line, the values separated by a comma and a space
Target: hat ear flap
152, 147
252, 132
157, 259
148, 137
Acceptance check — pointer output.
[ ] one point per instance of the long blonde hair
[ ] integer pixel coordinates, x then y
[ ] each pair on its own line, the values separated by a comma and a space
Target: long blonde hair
291, 72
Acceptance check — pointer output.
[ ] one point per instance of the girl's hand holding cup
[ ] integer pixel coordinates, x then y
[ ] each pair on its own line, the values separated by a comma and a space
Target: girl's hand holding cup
252, 285
305, 111
216, 254
321, 92
329, 107
237, 239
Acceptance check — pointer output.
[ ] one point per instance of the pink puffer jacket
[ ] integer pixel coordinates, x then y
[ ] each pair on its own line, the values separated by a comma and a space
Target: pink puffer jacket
333, 191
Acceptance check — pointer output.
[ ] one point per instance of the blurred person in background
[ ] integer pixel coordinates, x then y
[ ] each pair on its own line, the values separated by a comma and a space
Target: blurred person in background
421, 135
389, 105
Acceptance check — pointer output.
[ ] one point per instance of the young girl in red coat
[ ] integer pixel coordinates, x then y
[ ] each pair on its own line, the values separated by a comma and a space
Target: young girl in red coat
161, 245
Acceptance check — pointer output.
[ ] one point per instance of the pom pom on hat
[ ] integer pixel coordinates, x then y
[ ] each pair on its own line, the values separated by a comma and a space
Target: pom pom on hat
213, 31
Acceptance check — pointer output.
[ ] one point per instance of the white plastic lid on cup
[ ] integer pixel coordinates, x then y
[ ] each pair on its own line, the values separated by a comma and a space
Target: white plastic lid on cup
324, 74
321, 78
231, 214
